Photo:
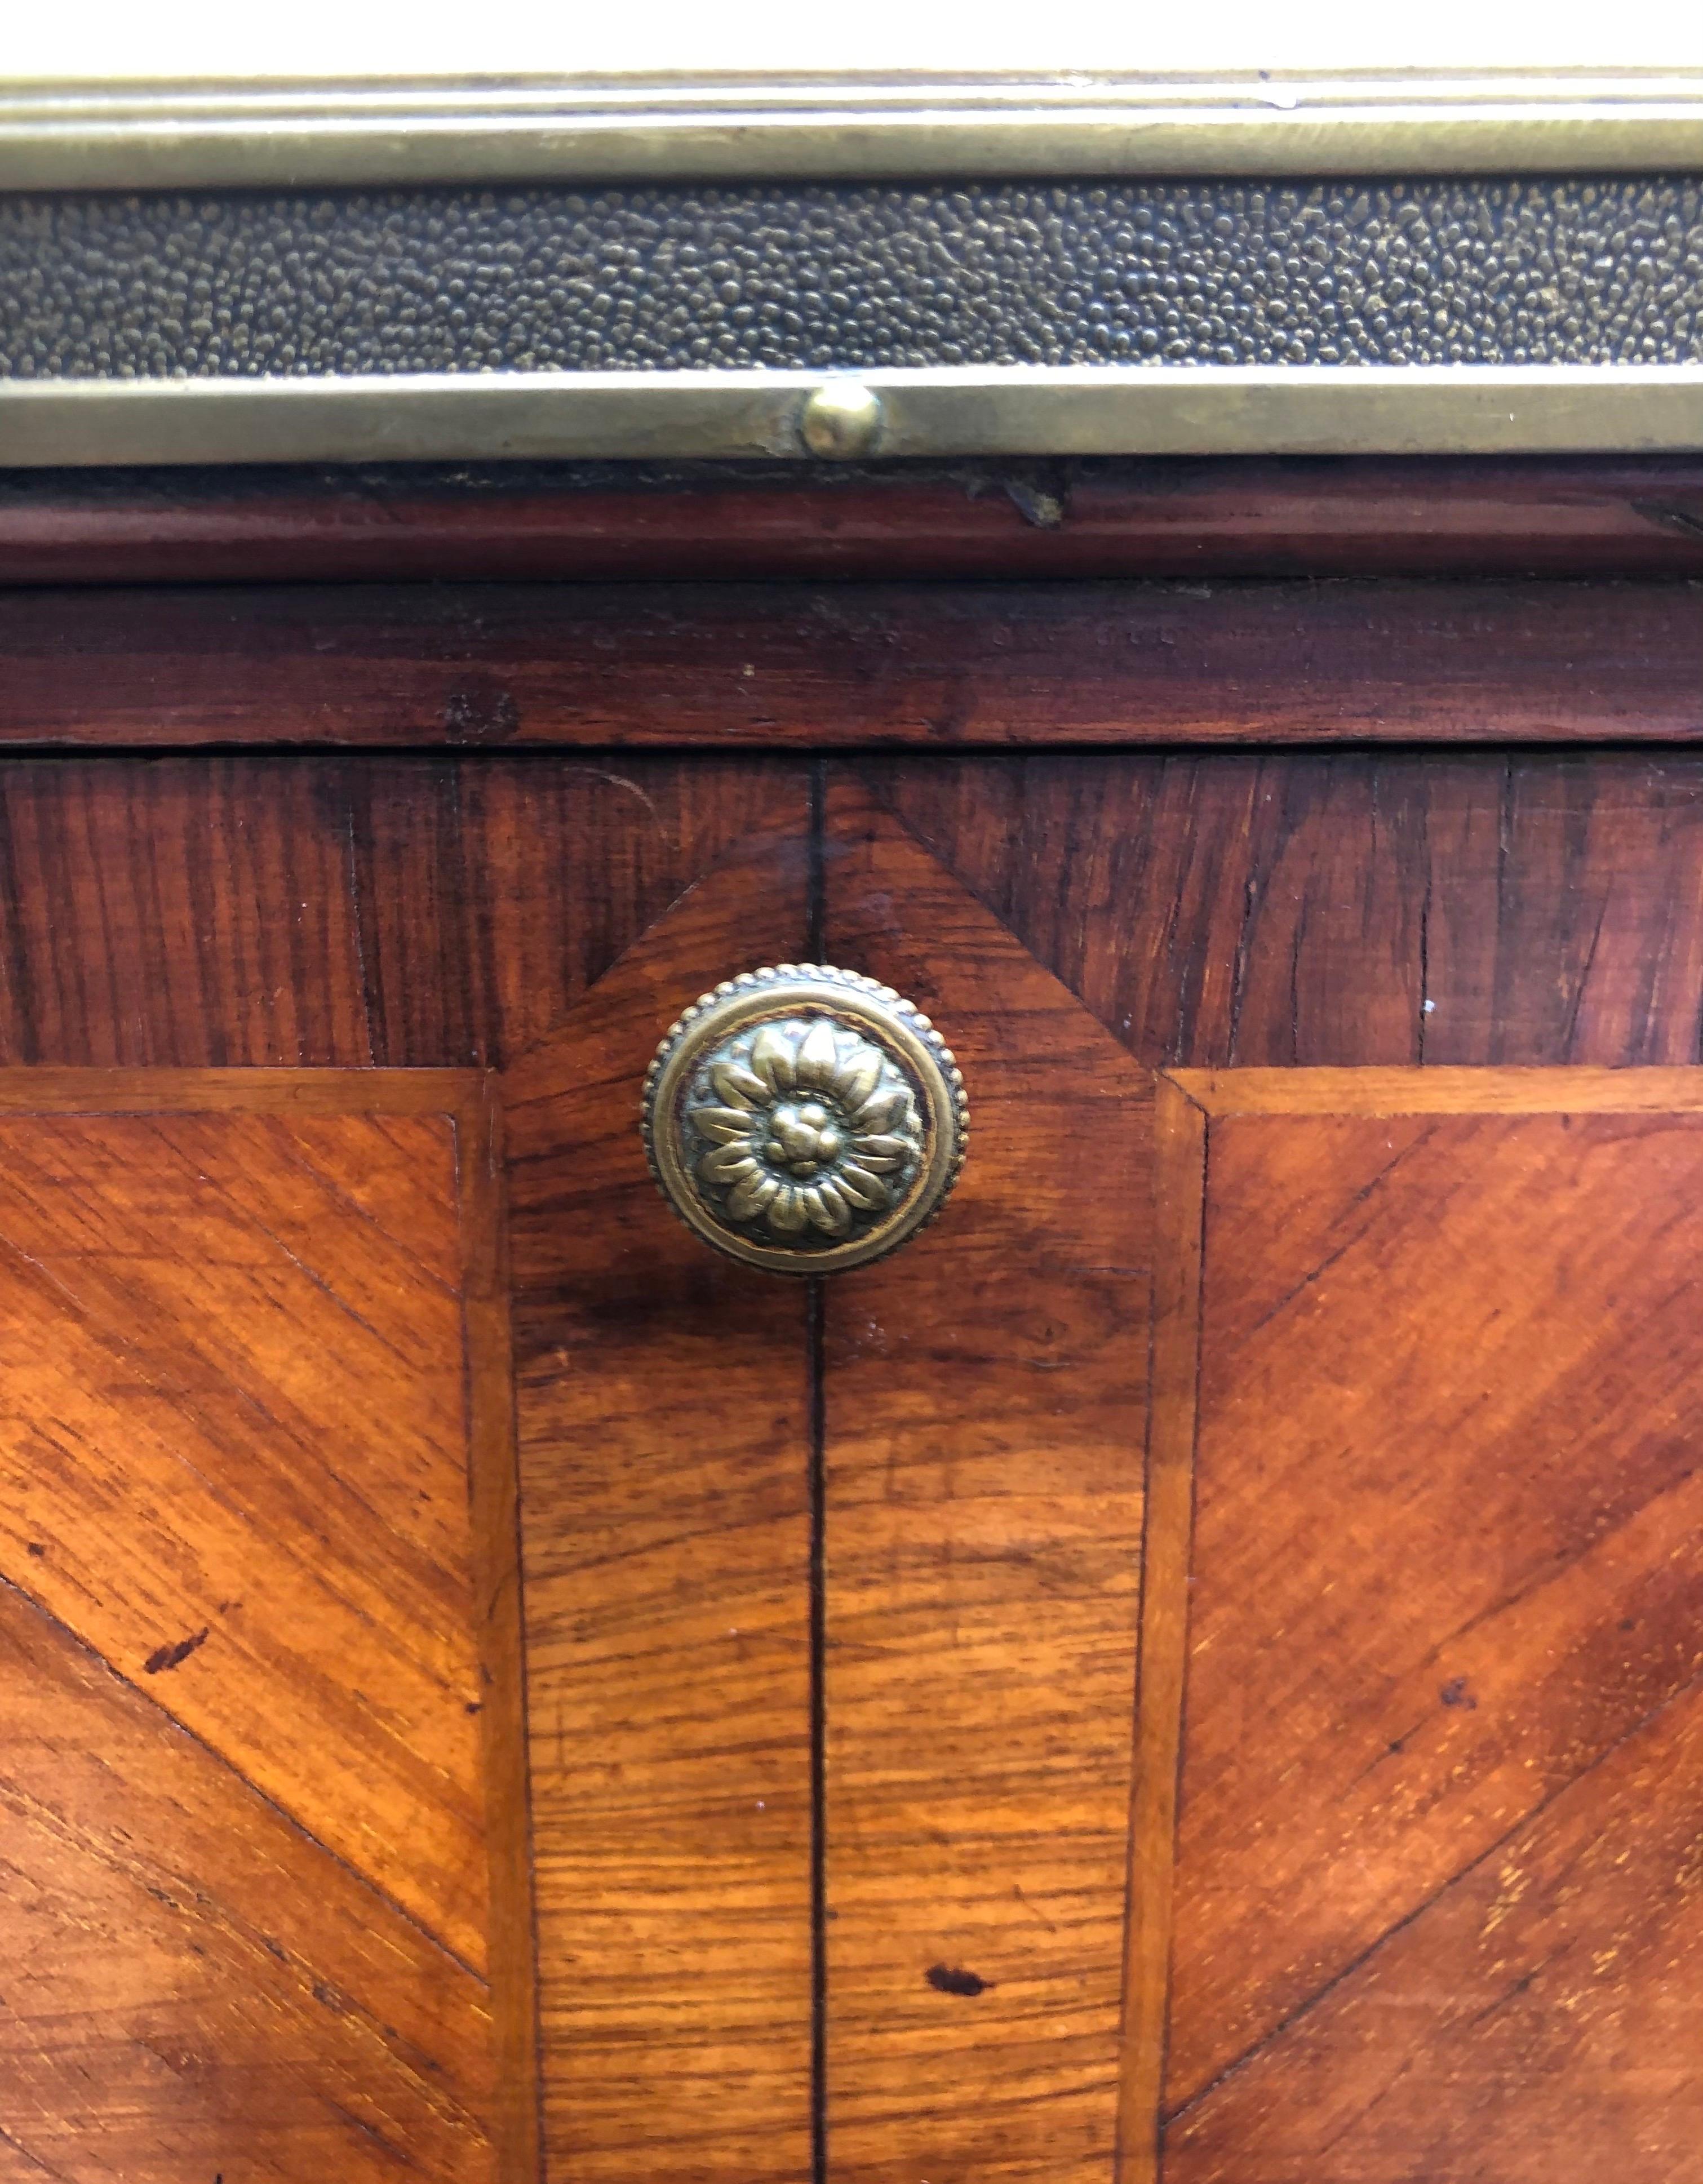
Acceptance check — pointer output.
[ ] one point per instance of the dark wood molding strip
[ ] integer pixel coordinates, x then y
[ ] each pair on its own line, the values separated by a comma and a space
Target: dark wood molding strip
1306, 516
738, 666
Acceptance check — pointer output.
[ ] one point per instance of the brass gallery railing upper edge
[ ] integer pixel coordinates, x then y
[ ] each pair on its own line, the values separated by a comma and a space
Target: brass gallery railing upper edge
164, 136
938, 411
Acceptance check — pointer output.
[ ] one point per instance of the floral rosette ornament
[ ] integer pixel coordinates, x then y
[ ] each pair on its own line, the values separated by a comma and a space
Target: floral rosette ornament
808, 1125
805, 1117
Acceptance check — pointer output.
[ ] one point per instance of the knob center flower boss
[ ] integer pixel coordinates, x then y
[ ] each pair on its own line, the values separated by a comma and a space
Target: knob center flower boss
805, 1119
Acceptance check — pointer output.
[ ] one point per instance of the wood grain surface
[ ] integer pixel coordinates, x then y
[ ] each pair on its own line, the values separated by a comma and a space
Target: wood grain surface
1540, 2017
1590, 516
985, 1391
421, 912
1444, 1090
663, 1410
1229, 910
185, 915
193, 1987
1435, 1890
726, 666
1224, 910
254, 1623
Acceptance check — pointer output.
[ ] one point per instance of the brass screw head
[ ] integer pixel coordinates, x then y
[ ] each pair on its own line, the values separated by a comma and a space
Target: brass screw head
842, 419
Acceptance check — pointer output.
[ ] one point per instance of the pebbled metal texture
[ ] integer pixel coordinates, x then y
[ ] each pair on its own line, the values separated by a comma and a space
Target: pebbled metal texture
1496, 271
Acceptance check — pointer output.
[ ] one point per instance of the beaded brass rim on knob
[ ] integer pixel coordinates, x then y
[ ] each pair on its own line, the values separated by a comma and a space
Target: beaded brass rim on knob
805, 1119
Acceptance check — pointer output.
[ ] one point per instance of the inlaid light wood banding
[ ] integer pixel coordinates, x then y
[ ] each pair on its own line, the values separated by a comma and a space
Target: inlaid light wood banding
1178, 1178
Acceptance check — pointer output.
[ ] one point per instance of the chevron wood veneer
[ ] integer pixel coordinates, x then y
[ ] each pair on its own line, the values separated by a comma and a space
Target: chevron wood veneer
246, 1915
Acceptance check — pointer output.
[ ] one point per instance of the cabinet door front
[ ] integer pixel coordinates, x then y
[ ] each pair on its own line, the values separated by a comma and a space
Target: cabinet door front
1185, 1670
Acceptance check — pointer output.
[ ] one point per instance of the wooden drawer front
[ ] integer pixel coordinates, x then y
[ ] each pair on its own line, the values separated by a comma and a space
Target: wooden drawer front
1181, 1673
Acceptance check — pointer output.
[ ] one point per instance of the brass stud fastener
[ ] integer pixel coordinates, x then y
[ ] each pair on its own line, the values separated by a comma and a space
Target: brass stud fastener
842, 419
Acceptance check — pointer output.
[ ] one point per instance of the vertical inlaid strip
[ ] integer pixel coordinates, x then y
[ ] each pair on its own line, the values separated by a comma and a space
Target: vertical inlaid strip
816, 1368
1179, 1186
495, 1505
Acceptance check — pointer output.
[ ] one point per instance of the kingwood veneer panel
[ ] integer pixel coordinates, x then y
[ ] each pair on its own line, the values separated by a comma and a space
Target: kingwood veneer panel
235, 1459
1227, 909
1215, 909
1436, 1899
421, 912
193, 1987
259, 1746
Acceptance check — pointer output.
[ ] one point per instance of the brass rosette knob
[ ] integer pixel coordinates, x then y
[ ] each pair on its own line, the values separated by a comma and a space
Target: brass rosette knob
805, 1119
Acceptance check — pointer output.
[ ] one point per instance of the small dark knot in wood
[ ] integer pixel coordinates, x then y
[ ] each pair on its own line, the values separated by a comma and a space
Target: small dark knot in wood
947, 1979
